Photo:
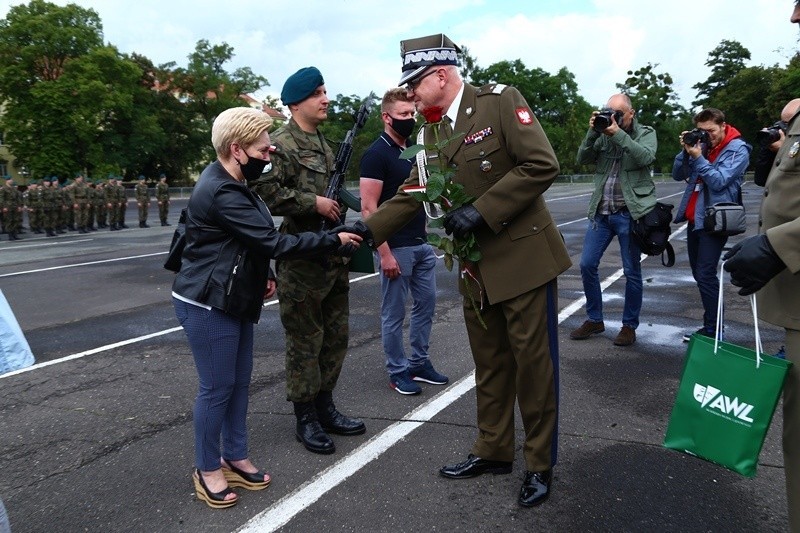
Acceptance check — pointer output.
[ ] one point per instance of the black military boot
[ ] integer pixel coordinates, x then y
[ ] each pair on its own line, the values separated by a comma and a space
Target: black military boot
309, 432
113, 227
82, 229
145, 225
332, 420
51, 233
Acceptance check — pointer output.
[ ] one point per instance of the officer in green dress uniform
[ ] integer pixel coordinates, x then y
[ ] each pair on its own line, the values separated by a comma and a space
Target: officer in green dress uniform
506, 162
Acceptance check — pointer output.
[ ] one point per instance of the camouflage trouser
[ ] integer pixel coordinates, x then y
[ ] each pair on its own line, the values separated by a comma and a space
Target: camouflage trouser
143, 208
82, 213
101, 212
314, 307
163, 210
12, 219
121, 207
49, 218
36, 218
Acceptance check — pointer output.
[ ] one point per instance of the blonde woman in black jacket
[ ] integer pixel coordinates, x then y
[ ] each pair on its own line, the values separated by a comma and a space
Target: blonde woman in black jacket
219, 291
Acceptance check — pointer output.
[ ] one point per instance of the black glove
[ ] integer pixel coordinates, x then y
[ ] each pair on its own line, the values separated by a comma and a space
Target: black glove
345, 250
359, 228
463, 220
752, 263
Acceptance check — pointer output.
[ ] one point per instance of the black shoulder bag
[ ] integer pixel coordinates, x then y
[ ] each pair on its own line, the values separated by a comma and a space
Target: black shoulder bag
651, 232
177, 245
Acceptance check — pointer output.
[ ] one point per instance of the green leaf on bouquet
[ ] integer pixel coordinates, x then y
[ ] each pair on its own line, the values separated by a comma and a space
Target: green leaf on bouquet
435, 186
411, 151
434, 239
436, 223
448, 261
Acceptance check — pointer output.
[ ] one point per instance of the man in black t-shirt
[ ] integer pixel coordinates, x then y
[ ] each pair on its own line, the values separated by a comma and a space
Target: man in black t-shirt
407, 261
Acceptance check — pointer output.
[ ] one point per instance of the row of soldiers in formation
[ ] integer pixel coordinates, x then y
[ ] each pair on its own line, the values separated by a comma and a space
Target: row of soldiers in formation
77, 205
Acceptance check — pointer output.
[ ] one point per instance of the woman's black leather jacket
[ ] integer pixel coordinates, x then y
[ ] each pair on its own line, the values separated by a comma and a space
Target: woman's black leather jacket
230, 239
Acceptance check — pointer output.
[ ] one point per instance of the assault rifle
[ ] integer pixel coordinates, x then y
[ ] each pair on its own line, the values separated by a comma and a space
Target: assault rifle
336, 190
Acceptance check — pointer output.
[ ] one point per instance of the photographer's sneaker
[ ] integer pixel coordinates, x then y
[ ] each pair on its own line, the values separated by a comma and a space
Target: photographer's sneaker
403, 383
426, 373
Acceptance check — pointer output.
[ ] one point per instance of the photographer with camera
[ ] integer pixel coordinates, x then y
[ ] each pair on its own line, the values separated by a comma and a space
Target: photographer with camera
623, 151
712, 160
770, 140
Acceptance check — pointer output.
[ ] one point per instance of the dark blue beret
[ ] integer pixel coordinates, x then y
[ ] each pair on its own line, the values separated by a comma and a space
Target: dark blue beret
301, 85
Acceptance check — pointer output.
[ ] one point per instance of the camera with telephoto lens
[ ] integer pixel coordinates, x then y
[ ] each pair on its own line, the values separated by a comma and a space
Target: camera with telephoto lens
769, 135
603, 119
692, 137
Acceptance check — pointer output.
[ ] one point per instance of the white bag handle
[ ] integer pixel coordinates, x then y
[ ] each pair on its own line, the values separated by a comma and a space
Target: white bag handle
718, 327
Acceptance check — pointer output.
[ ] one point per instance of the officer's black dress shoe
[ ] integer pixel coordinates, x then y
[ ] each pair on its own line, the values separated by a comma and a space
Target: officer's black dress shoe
475, 466
535, 488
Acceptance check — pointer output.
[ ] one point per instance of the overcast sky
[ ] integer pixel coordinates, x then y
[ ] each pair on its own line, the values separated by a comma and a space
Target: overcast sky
355, 43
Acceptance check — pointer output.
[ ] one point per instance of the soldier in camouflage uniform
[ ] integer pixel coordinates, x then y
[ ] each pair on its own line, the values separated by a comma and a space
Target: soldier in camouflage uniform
61, 205
80, 203
111, 204
122, 203
313, 294
162, 197
34, 203
100, 208
68, 192
11, 206
143, 201
91, 209
47, 207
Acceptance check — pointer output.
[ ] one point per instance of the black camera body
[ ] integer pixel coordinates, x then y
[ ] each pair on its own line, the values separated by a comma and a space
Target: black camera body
691, 138
603, 119
769, 135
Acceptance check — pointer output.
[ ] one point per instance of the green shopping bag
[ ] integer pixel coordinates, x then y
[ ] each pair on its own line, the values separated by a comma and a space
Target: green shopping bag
725, 401
725, 404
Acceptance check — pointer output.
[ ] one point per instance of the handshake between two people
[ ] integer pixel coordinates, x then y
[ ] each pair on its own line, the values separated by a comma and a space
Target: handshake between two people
350, 237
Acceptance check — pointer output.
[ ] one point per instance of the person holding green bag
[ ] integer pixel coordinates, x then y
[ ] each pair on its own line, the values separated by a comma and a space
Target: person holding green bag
767, 264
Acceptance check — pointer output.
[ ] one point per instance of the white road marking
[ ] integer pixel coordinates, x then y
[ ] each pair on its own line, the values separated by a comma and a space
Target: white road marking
80, 264
40, 245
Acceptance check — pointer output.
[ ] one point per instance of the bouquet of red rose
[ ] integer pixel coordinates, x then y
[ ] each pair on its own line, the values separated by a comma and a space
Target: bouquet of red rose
441, 191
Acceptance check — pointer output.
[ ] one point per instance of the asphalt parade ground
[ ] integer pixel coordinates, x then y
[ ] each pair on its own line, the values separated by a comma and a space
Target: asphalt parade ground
98, 435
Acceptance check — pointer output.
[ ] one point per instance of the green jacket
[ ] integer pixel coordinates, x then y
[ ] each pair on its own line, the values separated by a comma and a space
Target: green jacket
142, 193
638, 151
162, 192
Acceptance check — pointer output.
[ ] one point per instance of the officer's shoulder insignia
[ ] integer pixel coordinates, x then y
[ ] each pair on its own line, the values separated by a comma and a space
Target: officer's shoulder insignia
491, 88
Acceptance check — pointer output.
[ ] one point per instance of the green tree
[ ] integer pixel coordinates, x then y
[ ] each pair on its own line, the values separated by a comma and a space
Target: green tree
656, 104
208, 89
725, 61
468, 64
39, 42
554, 99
